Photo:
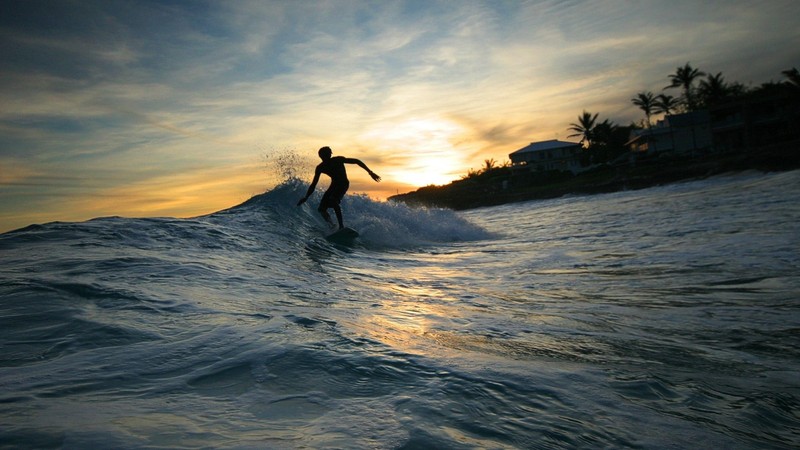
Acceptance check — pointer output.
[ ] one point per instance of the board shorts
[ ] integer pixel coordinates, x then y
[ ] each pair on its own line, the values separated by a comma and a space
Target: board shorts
333, 196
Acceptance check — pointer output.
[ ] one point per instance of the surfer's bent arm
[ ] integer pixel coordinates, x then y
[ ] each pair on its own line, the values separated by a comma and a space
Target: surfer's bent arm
310, 188
361, 164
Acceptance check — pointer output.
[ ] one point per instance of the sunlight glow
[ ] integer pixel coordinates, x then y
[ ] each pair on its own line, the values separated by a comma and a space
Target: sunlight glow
192, 193
421, 93
423, 149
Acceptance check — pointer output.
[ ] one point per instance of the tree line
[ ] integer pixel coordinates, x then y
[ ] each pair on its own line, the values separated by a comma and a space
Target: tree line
605, 140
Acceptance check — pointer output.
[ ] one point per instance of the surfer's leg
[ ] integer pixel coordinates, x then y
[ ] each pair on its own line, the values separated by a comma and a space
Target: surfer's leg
338, 210
331, 199
326, 216
324, 212
323, 207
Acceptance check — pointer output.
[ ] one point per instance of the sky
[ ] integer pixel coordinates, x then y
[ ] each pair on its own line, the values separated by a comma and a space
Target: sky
146, 108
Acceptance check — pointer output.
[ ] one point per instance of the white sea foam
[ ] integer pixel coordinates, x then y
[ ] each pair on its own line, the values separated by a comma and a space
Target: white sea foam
659, 318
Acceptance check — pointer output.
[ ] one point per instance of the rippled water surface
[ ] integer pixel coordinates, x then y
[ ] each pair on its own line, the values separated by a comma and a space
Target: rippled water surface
662, 318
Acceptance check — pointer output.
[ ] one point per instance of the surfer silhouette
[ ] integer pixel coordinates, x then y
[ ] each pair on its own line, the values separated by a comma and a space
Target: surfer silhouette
333, 166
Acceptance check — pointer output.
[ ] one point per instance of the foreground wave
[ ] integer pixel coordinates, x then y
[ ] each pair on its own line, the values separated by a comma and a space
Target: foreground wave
661, 318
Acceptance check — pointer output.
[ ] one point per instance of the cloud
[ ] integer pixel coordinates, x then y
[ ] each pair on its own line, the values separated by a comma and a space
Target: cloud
131, 95
191, 192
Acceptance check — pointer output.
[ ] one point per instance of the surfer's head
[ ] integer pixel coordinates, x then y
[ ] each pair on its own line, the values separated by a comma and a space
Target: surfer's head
325, 153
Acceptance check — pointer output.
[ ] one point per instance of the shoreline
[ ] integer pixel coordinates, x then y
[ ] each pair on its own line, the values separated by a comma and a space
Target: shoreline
501, 186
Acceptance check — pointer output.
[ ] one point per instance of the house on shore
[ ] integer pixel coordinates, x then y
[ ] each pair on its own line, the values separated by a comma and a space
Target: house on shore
547, 156
767, 118
678, 134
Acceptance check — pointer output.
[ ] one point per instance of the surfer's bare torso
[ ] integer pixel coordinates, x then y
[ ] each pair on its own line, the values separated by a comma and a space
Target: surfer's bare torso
333, 166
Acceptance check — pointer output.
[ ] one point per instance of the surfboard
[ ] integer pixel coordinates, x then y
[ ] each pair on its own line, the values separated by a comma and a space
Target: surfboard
345, 235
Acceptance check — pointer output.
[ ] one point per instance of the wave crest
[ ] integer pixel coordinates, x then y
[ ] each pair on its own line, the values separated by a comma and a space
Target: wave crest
380, 224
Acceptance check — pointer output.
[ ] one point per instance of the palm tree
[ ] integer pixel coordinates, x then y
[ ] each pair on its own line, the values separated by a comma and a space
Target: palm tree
793, 76
646, 102
609, 142
666, 104
737, 89
684, 78
712, 90
603, 132
584, 127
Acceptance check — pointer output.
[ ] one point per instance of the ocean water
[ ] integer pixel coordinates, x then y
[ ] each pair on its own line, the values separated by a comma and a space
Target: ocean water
660, 318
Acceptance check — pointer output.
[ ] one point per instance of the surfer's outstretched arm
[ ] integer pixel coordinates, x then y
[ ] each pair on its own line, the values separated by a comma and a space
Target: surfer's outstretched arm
310, 188
361, 164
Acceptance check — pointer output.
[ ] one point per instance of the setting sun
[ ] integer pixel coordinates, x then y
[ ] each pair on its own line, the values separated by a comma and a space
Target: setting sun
422, 149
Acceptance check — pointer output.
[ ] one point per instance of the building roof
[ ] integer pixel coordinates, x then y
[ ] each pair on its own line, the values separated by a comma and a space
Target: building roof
545, 145
669, 124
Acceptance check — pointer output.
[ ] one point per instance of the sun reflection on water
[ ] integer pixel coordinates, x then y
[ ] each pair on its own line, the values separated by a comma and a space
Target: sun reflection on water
407, 313
427, 311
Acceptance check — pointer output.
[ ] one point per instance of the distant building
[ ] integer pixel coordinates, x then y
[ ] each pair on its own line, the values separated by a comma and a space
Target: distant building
686, 133
547, 155
764, 118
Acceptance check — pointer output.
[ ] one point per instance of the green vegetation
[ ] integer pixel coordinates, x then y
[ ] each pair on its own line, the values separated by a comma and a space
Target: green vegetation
607, 159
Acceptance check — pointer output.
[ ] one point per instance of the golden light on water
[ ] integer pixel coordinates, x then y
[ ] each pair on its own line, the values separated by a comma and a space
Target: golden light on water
414, 317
